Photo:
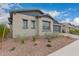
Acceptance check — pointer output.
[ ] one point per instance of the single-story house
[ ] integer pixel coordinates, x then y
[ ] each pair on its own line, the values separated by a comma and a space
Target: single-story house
66, 27
32, 22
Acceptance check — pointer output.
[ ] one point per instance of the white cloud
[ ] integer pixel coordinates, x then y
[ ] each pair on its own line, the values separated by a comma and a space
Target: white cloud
2, 11
19, 5
46, 12
67, 20
76, 21
8, 5
3, 4
69, 9
65, 14
4, 18
3, 14
66, 11
54, 13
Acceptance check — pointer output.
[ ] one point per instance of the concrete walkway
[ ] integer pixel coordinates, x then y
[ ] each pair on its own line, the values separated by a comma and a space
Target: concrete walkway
69, 50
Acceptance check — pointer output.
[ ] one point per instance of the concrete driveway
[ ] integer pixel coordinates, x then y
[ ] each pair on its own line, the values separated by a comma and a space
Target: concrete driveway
69, 50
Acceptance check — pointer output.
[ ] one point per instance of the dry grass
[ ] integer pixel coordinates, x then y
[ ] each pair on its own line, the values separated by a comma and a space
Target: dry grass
36, 48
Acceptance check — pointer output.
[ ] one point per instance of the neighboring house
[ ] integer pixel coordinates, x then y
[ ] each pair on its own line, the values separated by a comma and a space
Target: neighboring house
66, 27
76, 27
32, 22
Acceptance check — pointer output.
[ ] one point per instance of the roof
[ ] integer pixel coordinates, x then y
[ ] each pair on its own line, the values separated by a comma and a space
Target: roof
47, 15
33, 10
21, 11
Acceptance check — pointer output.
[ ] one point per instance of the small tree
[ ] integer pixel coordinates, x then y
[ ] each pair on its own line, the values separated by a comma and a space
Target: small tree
2, 28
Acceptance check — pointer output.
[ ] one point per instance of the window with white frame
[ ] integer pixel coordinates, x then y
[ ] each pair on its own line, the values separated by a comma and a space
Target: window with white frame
25, 23
46, 26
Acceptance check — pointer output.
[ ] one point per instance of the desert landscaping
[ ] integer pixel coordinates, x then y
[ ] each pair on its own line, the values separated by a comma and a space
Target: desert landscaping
34, 46
35, 33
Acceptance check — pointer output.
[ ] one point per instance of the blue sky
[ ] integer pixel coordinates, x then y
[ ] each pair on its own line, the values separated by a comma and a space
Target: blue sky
70, 9
68, 12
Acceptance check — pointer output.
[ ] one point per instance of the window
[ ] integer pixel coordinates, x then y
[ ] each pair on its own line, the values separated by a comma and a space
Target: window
25, 24
56, 28
46, 26
33, 24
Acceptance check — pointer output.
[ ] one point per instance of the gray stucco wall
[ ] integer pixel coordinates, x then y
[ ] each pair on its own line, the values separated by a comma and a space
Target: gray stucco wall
17, 26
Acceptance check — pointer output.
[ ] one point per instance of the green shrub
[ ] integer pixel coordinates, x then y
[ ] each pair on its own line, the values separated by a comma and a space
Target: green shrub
34, 38
7, 30
74, 31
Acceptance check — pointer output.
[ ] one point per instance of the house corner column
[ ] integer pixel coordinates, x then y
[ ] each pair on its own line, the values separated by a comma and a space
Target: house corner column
37, 24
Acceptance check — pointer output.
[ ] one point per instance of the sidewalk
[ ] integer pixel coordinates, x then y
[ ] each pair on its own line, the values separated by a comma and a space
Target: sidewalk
69, 50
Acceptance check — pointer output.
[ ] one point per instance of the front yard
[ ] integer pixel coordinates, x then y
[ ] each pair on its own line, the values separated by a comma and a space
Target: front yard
33, 46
